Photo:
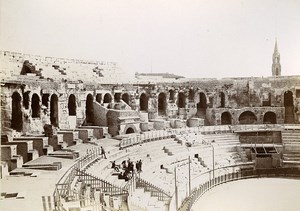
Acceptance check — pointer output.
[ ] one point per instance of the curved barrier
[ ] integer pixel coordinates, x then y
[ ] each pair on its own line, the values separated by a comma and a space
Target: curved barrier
202, 188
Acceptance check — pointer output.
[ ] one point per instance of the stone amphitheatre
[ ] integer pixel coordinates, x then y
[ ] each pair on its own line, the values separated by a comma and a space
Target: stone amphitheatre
189, 134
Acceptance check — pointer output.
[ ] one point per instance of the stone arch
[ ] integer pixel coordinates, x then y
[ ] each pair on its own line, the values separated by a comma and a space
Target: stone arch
129, 130
16, 112
201, 106
117, 97
222, 99
226, 118
191, 95
181, 100
26, 99
202, 101
162, 104
247, 117
269, 118
72, 105
171, 95
143, 102
54, 110
35, 106
125, 98
89, 109
289, 107
99, 98
107, 98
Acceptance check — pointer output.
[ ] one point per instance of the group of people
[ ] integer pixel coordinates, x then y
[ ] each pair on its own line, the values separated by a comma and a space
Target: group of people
128, 168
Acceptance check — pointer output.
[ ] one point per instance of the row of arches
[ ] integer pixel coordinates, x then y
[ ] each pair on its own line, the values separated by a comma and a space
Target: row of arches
248, 117
244, 118
17, 113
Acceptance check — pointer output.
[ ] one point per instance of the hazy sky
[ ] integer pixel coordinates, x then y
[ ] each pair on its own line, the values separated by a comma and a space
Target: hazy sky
193, 38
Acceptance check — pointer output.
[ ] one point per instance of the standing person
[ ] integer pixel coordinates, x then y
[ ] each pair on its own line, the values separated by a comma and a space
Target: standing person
103, 152
140, 165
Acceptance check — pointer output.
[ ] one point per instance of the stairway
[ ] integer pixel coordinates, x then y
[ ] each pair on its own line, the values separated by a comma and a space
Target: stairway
291, 147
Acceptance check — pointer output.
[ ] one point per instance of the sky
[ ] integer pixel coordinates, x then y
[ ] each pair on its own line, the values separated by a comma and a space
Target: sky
192, 38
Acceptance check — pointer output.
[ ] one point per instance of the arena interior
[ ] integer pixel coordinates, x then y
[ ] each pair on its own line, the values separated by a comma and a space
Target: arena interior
167, 139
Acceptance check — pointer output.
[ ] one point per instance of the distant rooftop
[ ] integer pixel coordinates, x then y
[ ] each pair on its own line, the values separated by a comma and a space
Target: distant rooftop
161, 75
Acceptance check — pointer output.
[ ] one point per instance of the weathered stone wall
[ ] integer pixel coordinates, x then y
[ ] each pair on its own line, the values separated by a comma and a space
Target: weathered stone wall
257, 95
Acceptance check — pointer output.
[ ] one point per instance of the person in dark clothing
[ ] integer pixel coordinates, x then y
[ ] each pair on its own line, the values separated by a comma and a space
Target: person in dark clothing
113, 164
140, 165
103, 152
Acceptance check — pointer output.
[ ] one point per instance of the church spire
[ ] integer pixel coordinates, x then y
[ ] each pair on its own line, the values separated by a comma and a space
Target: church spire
276, 67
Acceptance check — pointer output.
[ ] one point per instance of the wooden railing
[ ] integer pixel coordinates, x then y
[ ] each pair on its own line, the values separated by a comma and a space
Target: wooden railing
100, 184
155, 191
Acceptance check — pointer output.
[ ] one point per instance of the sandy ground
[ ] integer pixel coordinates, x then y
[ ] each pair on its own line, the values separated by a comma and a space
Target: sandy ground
265, 194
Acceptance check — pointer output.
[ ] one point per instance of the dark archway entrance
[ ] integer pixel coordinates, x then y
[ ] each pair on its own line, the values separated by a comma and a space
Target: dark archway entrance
247, 117
89, 109
35, 106
222, 100
99, 98
226, 118
143, 102
125, 98
129, 130
201, 106
172, 96
45, 100
181, 100
191, 95
117, 97
26, 100
107, 98
269, 118
54, 110
162, 104
72, 105
16, 115
289, 107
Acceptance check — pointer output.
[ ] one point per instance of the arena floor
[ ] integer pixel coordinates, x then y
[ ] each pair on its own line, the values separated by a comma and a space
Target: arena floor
265, 194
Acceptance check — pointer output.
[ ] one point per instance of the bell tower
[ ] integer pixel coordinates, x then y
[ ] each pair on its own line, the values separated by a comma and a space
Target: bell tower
276, 67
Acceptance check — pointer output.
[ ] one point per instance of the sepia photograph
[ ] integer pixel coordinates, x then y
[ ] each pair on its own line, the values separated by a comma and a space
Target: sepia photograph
150, 105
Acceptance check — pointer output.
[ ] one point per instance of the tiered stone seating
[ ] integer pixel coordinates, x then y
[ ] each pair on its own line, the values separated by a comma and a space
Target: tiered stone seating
10, 156
291, 147
24, 148
39, 143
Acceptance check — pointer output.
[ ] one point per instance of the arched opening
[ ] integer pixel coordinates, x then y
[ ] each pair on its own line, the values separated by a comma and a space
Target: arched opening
191, 95
54, 110
107, 98
171, 96
26, 100
181, 100
99, 98
289, 107
89, 109
45, 100
117, 97
35, 106
270, 118
226, 118
201, 106
247, 117
72, 105
162, 104
143, 102
222, 100
125, 98
129, 130
16, 115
